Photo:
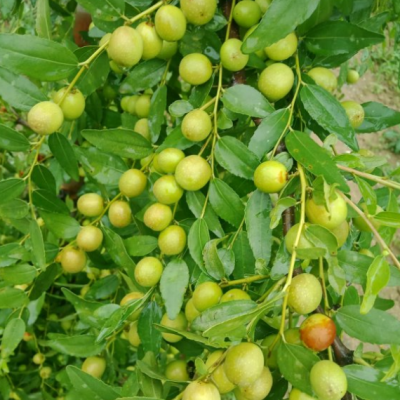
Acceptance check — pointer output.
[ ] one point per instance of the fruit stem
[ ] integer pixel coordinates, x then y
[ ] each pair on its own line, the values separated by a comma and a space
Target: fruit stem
203, 211
378, 237
322, 277
95, 54
144, 13
98, 219
236, 233
164, 77
243, 281
204, 106
72, 84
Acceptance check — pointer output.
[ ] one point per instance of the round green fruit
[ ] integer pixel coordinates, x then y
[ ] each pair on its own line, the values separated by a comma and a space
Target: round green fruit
172, 240
260, 389
94, 366
355, 113
361, 225
166, 190
195, 69
148, 271
232, 57
39, 358
305, 294
131, 104
270, 177
324, 77
177, 371
73, 104
132, 183
168, 50
198, 12
72, 260
196, 125
105, 39
170, 23
90, 205
221, 381
157, 217
89, 238
124, 103
270, 357
142, 128
45, 118
120, 214
169, 158
191, 311
133, 335
283, 49
152, 43
290, 239
193, 173
264, 5
295, 394
125, 47
206, 295
246, 13
142, 106
276, 81
201, 391
352, 76
318, 332
341, 232
179, 323
45, 372
235, 294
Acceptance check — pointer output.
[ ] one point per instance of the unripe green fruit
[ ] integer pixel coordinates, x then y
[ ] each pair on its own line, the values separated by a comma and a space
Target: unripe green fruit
90, 205
221, 381
246, 13
235, 294
172, 240
201, 391
168, 50
352, 76
367, 252
359, 222
196, 125
116, 68
292, 336
193, 173
106, 38
341, 232
328, 380
232, 57
142, 127
318, 214
170, 23
125, 47
73, 105
355, 112
152, 43
39, 358
290, 239
270, 357
124, 103
177, 371
179, 323
155, 166
305, 294
132, 183
318, 332
166, 190
45, 118
213, 359
131, 104
283, 49
89, 238
295, 394
276, 81
72, 260
206, 295
148, 271
260, 388
133, 335
157, 217
270, 177
142, 106
94, 366
244, 364
120, 214
195, 69
198, 12
45, 372
191, 312
129, 298
168, 159
324, 77
264, 5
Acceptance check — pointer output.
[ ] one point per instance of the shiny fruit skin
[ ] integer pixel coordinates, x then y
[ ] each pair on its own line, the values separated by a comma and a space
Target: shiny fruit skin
90, 205
169, 158
244, 364
142, 128
191, 312
235, 294
172, 240
148, 271
318, 214
359, 222
168, 50
89, 238
72, 260
283, 49
133, 335
246, 13
198, 12
73, 105
120, 214
155, 165
276, 81
179, 323
128, 299
157, 217
290, 239
305, 294
94, 366
193, 173
206, 295
260, 388
45, 118
295, 394
328, 380
352, 76
131, 104
341, 232
142, 106
152, 43
232, 57
270, 177
166, 190
177, 371
223, 384
170, 23
201, 391
124, 103
132, 183
196, 125
125, 47
355, 112
270, 357
292, 336
318, 332
324, 77
195, 69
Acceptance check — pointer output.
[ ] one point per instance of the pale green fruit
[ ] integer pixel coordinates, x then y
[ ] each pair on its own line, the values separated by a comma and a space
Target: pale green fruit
179, 323
235, 294
232, 57
73, 104
106, 38
264, 5
276, 81
125, 47
195, 69
90, 205
283, 49
172, 240
177, 371
355, 112
191, 311
120, 214
132, 183
169, 158
131, 104
94, 366
223, 384
152, 43
324, 77
116, 68
198, 12
260, 388
359, 222
196, 125
72, 260
305, 294
246, 13
193, 173
295, 394
142, 127
352, 76
157, 217
270, 177
270, 357
166, 190
213, 359
124, 103
201, 391
148, 271
170, 23
290, 239
89, 238
133, 335
142, 106
206, 295
341, 232
168, 50
45, 118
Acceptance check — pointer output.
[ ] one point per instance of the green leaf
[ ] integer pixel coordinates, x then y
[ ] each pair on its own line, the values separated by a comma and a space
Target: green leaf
177, 140
158, 106
43, 24
76, 346
173, 285
12, 298
143, 76
286, 15
368, 327
18, 274
139, 246
103, 288
212, 261
244, 258
235, 157
322, 238
332, 38
64, 154
226, 202
12, 336
390, 219
244, 99
49, 202
179, 108
62, 226
199, 93
328, 113
12, 140
282, 205
149, 335
197, 239
10, 189
19, 92
201, 41
268, 132
368, 194
35, 57
116, 248
44, 281
122, 142
16, 208
295, 363
106, 10
314, 158
43, 178
38, 255
378, 117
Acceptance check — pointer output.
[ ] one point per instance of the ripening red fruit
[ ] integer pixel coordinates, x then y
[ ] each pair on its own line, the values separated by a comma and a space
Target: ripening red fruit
318, 332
